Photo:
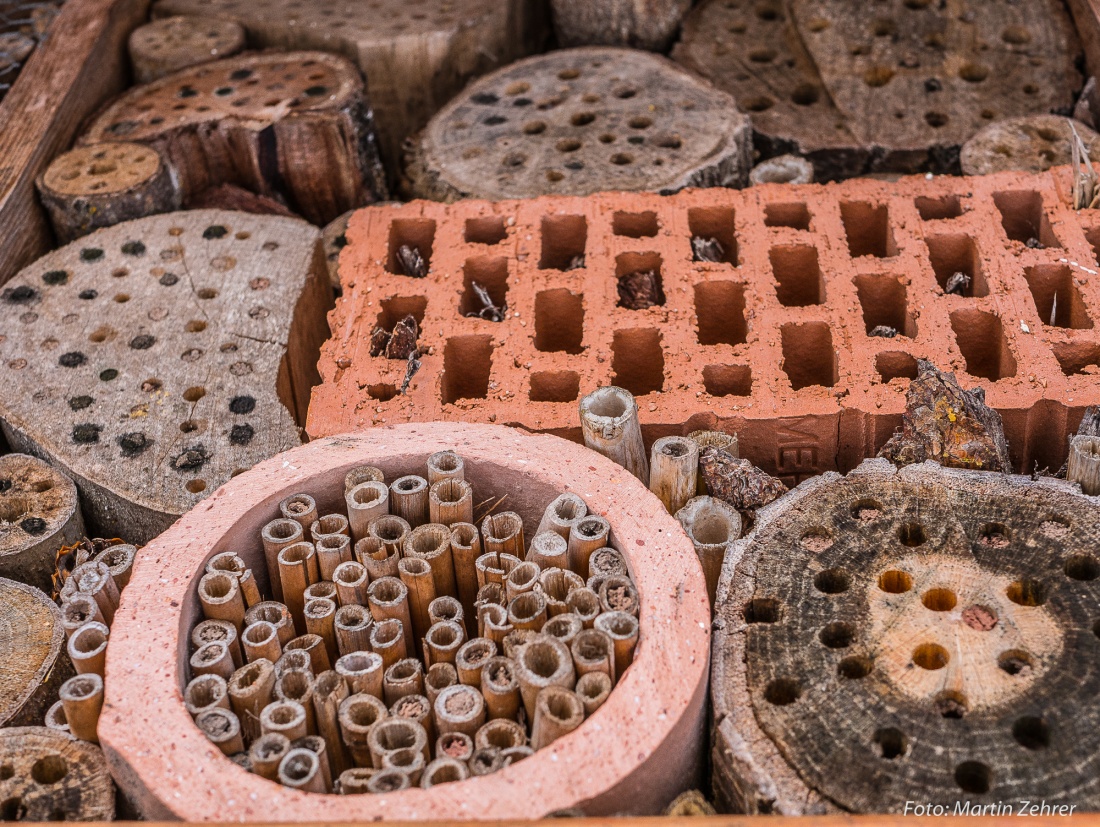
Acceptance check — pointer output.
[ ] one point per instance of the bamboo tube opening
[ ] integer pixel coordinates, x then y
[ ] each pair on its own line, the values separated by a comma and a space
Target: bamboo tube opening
456, 745
212, 658
362, 474
354, 781
285, 717
321, 590
251, 688
446, 607
204, 692
391, 530
277, 614
609, 425
618, 594
409, 484
301, 769
389, 780
408, 761
82, 699
261, 640
349, 573
521, 579
353, 618
222, 728
55, 717
557, 584
485, 761
87, 645
369, 494
561, 514
445, 638
513, 754
358, 713
267, 753
464, 535
329, 525
451, 491
293, 659
227, 562
405, 677
593, 689
78, 610
282, 531
459, 708
549, 549
396, 733
501, 733
120, 563
429, 539
386, 632
362, 671
558, 711
314, 647
585, 604
445, 465
438, 677
565, 627
503, 533
295, 685
301, 508
607, 561
443, 771
527, 611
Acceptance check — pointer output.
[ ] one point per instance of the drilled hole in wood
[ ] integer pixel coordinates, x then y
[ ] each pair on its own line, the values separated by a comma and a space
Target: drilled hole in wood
1031, 732
912, 535
939, 600
832, 581
974, 777
950, 704
762, 610
891, 742
855, 667
783, 691
930, 656
895, 581
837, 635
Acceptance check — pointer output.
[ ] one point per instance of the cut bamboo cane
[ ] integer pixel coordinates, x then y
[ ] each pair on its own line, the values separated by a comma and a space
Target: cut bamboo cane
328, 525
277, 535
301, 508
94, 579
622, 628
558, 711
362, 474
351, 581
471, 659
82, 699
329, 691
206, 692
494, 623
229, 563
417, 708
387, 638
357, 715
222, 729
297, 569
500, 687
432, 542
320, 615
1083, 466
87, 648
515, 640
408, 761
606, 562
712, 526
388, 598
585, 537
285, 717
297, 685
212, 659
465, 549
585, 604
543, 662
251, 688
513, 755
445, 465
379, 559
593, 689
485, 761
300, 769
119, 560
294, 659
549, 550
319, 747
493, 567
443, 641
562, 513
409, 499
78, 610
275, 613
406, 677
456, 745
502, 733
593, 651
438, 677
388, 780
416, 574
443, 771
267, 753
321, 590
527, 611
565, 627
619, 594
366, 502
221, 598
55, 718
355, 781
395, 733
503, 534
451, 501
459, 708
353, 625
556, 585
609, 424
314, 647
523, 578
363, 672
391, 530
332, 550
673, 471
446, 607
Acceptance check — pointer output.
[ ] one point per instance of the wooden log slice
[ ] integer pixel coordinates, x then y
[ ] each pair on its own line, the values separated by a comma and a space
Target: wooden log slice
33, 663
39, 513
917, 77
641, 24
50, 776
1031, 143
580, 121
416, 57
755, 53
925, 634
173, 43
103, 184
295, 124
154, 359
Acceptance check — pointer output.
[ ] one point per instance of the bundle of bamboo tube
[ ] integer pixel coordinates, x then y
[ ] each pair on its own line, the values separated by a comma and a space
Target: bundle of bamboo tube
403, 645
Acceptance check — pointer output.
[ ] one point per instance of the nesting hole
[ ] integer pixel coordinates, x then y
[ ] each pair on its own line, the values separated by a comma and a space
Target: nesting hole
893, 365
762, 610
1082, 567
563, 240
895, 581
793, 215
559, 321
1031, 732
912, 535
783, 691
634, 224
939, 600
49, 769
727, 380
417, 233
467, 362
951, 254
983, 344
1056, 297
974, 777
867, 228
1023, 217
720, 310
837, 635
491, 273
716, 223
808, 355
832, 581
799, 281
855, 667
638, 361
938, 208
555, 386
930, 656
487, 230
891, 742
883, 301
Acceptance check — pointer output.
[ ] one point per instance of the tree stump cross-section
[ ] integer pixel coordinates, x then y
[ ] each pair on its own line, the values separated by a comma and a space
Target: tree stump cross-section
33, 663
51, 776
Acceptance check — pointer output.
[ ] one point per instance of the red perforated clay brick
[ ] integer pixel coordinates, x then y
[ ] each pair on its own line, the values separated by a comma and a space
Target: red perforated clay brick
773, 342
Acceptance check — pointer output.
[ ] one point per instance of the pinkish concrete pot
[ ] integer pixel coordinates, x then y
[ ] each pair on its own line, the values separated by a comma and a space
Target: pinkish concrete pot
632, 756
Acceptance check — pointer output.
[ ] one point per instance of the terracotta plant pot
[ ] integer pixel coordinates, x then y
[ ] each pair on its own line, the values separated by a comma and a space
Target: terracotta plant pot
642, 747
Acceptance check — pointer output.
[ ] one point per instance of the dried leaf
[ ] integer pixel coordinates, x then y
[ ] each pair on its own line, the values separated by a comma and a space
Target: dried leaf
411, 262
402, 342
884, 332
737, 481
639, 291
707, 249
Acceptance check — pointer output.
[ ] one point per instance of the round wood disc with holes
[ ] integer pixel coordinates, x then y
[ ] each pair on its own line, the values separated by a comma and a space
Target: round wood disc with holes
31, 641
1032, 143
152, 360
579, 121
922, 635
163, 46
47, 775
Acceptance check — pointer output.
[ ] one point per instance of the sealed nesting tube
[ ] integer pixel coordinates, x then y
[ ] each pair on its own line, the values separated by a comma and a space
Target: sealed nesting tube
317, 745
558, 711
416, 574
712, 526
622, 628
267, 753
361, 474
388, 598
329, 525
388, 780
300, 769
500, 687
585, 537
314, 646
446, 607
275, 613
232, 564
523, 578
465, 549
251, 688
294, 659
55, 718
459, 708
78, 610
222, 728
556, 585
549, 550
363, 672
609, 425
366, 502
395, 733
445, 465
261, 641
377, 558
409, 761
301, 508
87, 648
285, 717
560, 516
432, 543
527, 611
357, 715
297, 569
438, 677
485, 761
387, 638
673, 470
619, 594
502, 733
332, 550
471, 659
443, 771
456, 745
593, 688
607, 561
297, 685
406, 677
409, 499
82, 699
320, 615
275, 536
205, 692
593, 651
221, 598
329, 691
585, 604
354, 781
494, 622
493, 567
351, 580
94, 579
212, 658
418, 709
545, 661
352, 624
565, 627
451, 501
443, 640
208, 631
503, 534
392, 530
119, 560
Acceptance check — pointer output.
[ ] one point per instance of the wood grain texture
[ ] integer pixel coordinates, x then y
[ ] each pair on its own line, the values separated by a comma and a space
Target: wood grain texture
415, 56
54, 777
39, 513
640, 24
75, 70
33, 663
1086, 16
172, 43
579, 121
1032, 143
157, 357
